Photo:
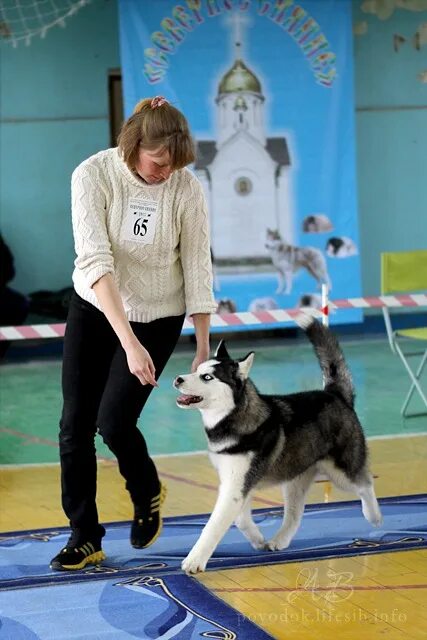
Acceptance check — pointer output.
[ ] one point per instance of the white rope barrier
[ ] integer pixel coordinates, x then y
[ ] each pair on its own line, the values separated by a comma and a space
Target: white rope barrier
282, 317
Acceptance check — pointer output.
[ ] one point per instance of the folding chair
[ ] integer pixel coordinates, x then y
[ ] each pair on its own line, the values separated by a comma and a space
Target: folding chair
406, 272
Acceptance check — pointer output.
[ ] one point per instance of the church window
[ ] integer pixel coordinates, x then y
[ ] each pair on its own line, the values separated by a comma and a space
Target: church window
243, 186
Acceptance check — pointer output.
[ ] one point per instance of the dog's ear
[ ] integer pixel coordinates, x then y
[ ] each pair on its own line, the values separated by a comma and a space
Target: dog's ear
245, 365
221, 351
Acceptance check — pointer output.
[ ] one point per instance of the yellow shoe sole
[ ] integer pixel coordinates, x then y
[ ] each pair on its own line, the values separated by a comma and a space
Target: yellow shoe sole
94, 558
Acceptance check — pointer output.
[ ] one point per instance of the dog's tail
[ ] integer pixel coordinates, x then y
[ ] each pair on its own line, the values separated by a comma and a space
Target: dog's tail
336, 374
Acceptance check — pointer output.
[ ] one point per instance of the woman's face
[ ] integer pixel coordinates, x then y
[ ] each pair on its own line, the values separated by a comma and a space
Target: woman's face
153, 166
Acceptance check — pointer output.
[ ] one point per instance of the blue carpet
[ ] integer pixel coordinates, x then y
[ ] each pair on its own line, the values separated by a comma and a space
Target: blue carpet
327, 530
162, 608
145, 595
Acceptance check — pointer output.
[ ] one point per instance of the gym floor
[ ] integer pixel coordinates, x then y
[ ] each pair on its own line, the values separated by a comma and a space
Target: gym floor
385, 593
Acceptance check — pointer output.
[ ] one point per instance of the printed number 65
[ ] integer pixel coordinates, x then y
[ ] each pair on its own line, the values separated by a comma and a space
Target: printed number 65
140, 228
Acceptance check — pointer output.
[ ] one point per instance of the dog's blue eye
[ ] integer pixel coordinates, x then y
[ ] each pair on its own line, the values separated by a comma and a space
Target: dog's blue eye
206, 377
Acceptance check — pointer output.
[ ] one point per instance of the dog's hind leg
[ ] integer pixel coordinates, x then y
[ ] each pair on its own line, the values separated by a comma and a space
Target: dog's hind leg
247, 526
294, 493
321, 278
370, 506
362, 486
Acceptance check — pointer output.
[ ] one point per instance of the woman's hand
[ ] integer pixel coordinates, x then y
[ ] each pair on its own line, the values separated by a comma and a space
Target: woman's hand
202, 354
139, 360
141, 364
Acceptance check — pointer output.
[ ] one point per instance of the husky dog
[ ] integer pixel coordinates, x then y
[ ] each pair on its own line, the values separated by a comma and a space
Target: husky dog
312, 300
317, 223
263, 304
226, 305
287, 259
341, 247
257, 440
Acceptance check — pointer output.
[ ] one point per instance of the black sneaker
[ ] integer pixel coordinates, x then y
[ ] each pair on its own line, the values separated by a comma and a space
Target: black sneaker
147, 521
80, 551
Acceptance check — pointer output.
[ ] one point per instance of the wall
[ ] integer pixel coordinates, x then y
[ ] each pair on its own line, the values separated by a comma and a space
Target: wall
391, 125
54, 113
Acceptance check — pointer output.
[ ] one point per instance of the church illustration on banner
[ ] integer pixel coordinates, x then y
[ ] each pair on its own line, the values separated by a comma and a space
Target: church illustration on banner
246, 175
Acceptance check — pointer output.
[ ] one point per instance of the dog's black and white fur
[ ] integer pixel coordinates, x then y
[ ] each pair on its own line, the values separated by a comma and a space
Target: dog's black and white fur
318, 223
340, 247
257, 440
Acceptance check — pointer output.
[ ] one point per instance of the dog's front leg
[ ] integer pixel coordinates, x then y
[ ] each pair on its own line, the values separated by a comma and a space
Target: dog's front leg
228, 505
289, 279
281, 284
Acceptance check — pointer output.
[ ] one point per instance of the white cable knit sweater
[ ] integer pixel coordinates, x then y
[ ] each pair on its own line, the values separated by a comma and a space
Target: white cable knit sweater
154, 239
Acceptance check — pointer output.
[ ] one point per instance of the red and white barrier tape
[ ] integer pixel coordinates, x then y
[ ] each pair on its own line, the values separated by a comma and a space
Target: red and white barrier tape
272, 316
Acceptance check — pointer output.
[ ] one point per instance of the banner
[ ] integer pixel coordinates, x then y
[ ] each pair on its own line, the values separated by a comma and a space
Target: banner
267, 87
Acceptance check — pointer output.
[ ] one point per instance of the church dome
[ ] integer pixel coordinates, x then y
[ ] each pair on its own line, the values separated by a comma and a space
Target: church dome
239, 78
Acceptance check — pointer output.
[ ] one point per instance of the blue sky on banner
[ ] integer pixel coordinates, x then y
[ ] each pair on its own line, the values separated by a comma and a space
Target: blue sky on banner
302, 54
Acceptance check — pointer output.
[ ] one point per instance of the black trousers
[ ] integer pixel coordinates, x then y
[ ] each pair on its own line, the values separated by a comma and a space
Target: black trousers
101, 394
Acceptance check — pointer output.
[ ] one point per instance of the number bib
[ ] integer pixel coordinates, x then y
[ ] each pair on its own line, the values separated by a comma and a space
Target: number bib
140, 221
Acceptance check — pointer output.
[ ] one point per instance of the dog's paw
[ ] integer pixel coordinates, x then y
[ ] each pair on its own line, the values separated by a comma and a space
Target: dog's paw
373, 516
194, 563
377, 519
258, 544
276, 544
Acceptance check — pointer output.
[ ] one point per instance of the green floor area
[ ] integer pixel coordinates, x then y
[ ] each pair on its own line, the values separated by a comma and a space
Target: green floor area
30, 397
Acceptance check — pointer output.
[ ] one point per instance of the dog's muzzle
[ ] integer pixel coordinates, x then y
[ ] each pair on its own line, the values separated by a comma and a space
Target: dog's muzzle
185, 400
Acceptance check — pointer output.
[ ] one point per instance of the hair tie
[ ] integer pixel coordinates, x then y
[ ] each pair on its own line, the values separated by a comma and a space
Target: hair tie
158, 101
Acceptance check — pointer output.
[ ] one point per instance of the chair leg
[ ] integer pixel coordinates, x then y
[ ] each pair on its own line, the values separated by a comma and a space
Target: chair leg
409, 394
413, 387
415, 384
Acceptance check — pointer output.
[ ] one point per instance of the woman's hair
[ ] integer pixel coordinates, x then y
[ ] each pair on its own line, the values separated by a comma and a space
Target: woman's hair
156, 125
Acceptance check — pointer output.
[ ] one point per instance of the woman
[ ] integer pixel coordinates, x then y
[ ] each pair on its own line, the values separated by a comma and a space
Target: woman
143, 261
